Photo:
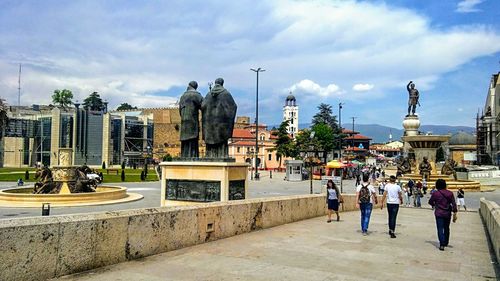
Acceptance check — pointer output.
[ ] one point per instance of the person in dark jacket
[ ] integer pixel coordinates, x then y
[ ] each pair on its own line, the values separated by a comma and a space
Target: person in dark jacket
444, 204
189, 109
218, 113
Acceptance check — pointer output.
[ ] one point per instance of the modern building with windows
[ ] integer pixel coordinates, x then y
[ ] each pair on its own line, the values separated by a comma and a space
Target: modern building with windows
34, 135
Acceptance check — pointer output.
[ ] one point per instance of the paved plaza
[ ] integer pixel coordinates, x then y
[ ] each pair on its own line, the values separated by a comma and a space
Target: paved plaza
315, 250
266, 187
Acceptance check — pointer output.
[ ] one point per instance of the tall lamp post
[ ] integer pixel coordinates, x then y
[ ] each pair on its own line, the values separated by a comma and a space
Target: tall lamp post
257, 120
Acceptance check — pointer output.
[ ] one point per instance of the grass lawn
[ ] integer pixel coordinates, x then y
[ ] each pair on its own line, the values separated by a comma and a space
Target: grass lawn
131, 175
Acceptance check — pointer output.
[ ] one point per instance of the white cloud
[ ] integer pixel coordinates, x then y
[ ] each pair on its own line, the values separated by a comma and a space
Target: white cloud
468, 6
310, 87
112, 49
362, 87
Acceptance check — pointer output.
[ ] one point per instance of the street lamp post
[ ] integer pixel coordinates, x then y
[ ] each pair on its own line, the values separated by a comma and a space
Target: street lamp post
311, 176
340, 135
257, 120
249, 155
340, 144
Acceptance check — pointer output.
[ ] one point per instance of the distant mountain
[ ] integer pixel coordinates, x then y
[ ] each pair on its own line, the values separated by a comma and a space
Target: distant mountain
444, 129
380, 133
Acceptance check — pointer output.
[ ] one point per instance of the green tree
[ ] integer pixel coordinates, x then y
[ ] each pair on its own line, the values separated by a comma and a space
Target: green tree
324, 138
93, 102
284, 145
3, 116
3, 123
440, 154
125, 106
325, 116
62, 97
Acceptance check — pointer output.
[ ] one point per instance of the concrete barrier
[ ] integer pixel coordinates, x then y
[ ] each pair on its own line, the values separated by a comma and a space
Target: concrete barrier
490, 213
47, 247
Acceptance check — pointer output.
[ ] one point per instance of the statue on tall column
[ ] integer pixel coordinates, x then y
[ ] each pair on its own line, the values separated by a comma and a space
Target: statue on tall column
218, 113
425, 169
189, 107
413, 98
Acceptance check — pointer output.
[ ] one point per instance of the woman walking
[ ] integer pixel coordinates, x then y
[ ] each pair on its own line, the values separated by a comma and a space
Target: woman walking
333, 198
444, 204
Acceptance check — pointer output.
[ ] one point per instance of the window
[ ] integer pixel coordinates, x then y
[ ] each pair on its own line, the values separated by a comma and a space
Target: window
238, 149
269, 156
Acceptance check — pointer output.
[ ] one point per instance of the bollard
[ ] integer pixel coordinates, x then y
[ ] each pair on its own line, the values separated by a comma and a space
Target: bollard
45, 209
270, 174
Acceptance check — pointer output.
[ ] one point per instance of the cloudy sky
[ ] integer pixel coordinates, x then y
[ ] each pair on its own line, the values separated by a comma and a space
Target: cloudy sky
361, 53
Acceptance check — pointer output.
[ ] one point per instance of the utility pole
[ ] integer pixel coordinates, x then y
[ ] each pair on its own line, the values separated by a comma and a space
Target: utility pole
257, 121
353, 118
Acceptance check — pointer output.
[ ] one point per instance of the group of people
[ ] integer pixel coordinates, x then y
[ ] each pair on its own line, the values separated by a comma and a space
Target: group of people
441, 200
414, 192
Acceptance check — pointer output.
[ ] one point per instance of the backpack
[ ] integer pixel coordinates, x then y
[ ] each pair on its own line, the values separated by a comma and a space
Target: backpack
364, 194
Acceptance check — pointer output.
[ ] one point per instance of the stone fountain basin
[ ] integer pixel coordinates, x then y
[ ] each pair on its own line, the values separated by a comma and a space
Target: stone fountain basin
23, 197
451, 184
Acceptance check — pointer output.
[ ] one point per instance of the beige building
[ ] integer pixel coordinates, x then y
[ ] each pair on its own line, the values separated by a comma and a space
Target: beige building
242, 148
462, 148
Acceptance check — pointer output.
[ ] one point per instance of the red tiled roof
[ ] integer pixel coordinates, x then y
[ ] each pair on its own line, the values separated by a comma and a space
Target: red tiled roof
357, 137
249, 143
349, 132
355, 148
243, 134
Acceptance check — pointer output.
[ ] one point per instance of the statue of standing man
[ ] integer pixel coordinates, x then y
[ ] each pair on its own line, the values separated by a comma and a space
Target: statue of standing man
218, 113
189, 107
413, 98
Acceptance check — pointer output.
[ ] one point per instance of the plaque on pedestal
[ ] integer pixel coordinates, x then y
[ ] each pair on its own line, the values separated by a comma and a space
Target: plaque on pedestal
199, 181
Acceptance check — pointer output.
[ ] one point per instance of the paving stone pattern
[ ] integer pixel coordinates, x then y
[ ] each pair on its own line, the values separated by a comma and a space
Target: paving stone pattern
315, 250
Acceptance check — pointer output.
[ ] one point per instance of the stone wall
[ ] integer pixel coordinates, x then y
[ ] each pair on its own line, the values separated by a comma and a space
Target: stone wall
46, 247
490, 213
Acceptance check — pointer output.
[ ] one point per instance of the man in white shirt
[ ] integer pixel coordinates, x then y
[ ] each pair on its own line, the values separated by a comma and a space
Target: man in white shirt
365, 197
394, 196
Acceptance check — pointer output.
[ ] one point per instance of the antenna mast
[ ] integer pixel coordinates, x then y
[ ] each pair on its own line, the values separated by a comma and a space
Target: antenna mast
19, 87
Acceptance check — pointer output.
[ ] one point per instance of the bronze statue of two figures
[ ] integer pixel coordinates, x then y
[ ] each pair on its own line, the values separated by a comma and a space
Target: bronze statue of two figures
413, 98
218, 111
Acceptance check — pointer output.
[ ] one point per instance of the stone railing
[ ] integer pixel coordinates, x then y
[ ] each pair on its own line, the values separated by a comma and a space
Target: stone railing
47, 247
490, 213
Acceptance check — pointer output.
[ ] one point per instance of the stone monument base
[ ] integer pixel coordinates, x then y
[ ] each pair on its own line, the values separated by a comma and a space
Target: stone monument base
202, 182
411, 125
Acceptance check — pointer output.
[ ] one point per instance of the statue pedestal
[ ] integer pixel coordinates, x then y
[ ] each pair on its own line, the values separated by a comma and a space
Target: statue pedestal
425, 146
203, 182
411, 125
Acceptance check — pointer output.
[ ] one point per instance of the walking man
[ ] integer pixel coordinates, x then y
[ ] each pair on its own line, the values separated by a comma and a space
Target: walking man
394, 196
365, 197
